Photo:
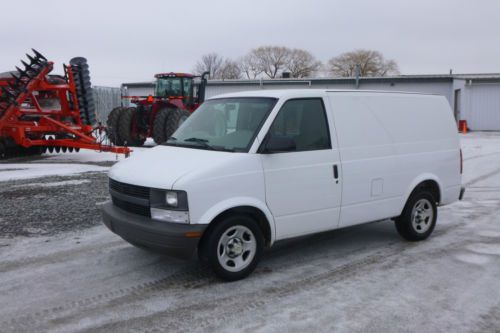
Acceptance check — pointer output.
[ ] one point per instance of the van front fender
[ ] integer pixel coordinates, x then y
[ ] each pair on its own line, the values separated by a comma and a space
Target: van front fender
236, 202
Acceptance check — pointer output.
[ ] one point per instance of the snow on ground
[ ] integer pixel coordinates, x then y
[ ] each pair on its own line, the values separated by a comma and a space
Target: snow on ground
54, 184
480, 151
358, 279
62, 164
14, 171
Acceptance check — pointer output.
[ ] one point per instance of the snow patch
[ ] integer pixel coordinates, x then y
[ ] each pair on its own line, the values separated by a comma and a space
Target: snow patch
485, 248
54, 184
489, 233
475, 259
37, 170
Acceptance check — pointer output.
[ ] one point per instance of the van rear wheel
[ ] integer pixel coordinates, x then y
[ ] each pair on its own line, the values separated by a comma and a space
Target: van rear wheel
419, 217
234, 247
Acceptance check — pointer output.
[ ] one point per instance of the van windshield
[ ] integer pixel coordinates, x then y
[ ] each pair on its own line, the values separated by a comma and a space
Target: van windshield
226, 124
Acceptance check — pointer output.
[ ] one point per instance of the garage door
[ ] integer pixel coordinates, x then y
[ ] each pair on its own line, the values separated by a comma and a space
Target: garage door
484, 107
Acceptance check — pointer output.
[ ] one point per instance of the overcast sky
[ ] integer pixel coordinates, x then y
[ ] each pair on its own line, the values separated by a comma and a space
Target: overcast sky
128, 41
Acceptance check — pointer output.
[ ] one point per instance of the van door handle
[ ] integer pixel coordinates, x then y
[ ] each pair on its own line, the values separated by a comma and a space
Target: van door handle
336, 173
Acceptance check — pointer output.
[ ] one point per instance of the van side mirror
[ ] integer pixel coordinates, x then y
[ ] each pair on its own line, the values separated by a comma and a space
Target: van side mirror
279, 144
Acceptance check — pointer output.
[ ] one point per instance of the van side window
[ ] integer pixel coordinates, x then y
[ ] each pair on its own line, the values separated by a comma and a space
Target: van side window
304, 121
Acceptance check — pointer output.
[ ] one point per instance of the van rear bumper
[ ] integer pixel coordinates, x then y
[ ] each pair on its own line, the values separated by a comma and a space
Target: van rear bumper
162, 237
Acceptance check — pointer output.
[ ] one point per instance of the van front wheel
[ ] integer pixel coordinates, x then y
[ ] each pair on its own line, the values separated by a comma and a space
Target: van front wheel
234, 247
419, 217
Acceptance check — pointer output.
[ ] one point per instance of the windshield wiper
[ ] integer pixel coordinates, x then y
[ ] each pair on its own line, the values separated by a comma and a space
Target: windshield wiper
196, 140
202, 142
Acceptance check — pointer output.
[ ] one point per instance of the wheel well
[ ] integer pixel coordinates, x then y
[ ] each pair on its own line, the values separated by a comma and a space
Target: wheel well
250, 211
432, 187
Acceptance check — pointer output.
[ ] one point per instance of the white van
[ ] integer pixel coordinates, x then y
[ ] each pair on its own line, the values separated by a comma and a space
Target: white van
248, 169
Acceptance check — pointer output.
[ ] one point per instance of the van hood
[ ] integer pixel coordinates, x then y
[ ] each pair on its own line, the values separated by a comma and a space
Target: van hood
161, 166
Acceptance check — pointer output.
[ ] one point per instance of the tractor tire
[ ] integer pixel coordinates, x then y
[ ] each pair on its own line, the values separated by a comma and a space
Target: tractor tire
3, 150
33, 151
112, 125
84, 93
125, 125
176, 118
159, 124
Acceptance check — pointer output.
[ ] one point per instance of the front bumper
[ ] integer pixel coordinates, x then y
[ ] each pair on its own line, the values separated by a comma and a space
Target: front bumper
163, 237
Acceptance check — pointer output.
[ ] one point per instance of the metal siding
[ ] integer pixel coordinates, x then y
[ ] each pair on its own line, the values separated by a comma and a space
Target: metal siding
436, 88
106, 99
212, 91
140, 91
460, 84
483, 105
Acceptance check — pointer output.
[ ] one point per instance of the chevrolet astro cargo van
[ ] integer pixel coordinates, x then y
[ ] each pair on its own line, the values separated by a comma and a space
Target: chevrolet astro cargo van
248, 169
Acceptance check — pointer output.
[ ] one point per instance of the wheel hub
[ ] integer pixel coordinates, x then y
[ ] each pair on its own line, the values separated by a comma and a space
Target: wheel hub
422, 216
234, 247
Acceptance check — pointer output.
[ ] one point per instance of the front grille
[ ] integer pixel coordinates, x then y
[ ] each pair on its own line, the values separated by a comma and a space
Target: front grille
131, 207
128, 189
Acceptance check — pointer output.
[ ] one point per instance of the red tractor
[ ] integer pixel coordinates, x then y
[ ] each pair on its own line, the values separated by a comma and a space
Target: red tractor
177, 95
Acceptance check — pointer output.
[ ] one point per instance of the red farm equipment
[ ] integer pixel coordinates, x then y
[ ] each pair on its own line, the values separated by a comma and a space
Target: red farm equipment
177, 95
40, 112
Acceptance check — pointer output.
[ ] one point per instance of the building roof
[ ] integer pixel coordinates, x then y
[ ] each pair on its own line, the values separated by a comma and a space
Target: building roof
340, 80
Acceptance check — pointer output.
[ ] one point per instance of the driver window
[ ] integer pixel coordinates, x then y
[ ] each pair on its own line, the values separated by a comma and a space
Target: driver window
305, 122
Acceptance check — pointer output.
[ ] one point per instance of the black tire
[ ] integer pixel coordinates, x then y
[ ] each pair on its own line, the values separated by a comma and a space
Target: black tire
416, 228
176, 118
125, 125
112, 125
84, 93
3, 150
159, 124
210, 248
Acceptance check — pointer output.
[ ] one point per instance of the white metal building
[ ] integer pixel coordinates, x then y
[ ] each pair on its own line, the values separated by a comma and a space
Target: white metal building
473, 97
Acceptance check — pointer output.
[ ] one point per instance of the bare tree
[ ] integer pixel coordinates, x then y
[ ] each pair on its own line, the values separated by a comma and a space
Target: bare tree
302, 63
229, 70
212, 63
370, 62
271, 60
249, 66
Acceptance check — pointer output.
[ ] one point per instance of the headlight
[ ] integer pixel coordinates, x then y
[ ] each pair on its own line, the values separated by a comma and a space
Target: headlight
169, 206
171, 199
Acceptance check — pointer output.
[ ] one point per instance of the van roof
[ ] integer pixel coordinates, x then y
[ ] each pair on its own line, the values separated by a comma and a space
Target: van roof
288, 93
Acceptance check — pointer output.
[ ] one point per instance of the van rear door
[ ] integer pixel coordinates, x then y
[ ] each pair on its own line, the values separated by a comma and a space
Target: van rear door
303, 189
